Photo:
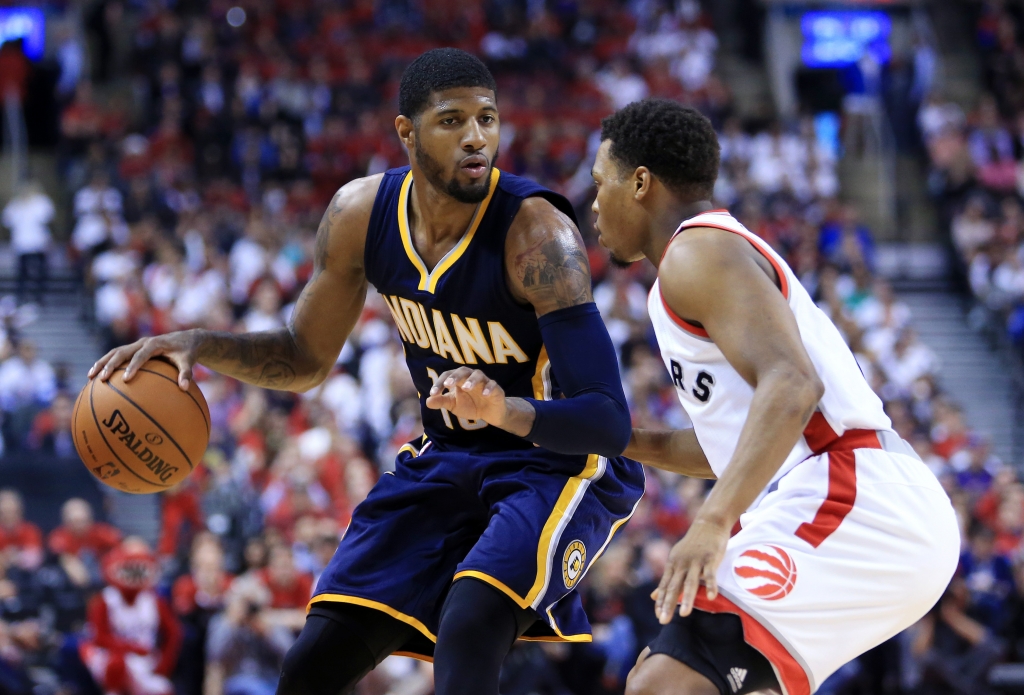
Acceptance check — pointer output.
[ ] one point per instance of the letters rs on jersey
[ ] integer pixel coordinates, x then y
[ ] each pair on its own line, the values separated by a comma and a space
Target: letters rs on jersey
461, 312
702, 384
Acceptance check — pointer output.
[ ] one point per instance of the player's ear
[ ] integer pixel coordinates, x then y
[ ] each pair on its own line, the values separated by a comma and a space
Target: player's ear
643, 179
406, 131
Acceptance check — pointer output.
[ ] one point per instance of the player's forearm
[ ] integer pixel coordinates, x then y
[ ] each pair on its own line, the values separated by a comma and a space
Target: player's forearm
519, 417
782, 405
676, 451
271, 359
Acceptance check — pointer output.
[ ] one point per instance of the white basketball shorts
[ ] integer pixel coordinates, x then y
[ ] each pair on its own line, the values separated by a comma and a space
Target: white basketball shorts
851, 547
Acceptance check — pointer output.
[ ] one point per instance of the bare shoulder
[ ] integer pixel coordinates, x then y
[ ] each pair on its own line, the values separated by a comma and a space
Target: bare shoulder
545, 258
341, 235
703, 264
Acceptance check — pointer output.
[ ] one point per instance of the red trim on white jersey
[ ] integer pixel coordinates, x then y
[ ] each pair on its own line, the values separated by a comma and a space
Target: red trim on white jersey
791, 674
779, 272
783, 280
842, 475
680, 321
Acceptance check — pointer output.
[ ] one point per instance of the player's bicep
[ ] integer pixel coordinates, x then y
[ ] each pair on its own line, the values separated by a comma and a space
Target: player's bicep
546, 260
332, 300
746, 315
325, 314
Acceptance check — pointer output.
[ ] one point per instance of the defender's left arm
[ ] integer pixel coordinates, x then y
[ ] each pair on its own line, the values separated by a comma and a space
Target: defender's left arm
546, 267
718, 279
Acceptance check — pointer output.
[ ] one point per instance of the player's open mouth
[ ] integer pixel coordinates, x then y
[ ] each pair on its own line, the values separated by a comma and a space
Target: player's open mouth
475, 166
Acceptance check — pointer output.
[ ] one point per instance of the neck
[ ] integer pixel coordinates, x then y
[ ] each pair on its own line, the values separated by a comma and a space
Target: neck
435, 214
664, 224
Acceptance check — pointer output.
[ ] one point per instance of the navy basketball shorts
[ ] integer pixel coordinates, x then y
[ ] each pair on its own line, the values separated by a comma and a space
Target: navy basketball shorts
530, 523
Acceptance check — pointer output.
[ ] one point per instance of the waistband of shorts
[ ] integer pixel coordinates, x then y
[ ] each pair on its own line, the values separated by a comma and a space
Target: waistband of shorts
886, 440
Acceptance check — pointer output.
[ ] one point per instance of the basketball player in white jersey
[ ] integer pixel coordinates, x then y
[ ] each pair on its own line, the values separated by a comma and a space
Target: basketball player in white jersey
840, 536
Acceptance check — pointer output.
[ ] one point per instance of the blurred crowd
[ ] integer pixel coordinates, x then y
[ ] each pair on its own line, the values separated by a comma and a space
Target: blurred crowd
200, 144
977, 173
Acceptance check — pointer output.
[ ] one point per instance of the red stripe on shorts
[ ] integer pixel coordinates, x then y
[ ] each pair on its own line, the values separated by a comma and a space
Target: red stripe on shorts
842, 475
789, 671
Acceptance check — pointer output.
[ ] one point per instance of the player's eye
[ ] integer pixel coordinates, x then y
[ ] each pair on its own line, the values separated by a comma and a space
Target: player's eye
449, 121
487, 119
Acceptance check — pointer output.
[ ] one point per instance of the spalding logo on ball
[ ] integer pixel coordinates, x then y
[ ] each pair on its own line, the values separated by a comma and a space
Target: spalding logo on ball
766, 571
143, 436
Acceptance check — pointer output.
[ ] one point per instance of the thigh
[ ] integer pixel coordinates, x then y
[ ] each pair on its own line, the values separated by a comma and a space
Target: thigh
404, 543
337, 647
546, 530
873, 569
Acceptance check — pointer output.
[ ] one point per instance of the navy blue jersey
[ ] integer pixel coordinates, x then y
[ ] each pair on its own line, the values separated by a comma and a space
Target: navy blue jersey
461, 312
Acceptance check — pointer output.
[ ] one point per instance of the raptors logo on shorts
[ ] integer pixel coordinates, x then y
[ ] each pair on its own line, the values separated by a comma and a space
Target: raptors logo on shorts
766, 571
573, 562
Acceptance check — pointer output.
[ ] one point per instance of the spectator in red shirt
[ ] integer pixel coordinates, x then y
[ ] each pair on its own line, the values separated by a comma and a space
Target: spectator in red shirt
197, 597
21, 542
288, 587
79, 533
181, 519
14, 71
204, 587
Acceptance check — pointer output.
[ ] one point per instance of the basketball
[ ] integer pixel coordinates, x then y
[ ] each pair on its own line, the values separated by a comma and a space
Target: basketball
143, 436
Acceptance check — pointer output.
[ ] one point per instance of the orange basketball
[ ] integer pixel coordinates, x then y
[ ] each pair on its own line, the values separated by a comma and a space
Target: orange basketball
143, 436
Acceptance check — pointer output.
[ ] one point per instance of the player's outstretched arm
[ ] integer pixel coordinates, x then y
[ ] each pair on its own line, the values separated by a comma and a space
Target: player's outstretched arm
300, 356
675, 451
547, 268
716, 278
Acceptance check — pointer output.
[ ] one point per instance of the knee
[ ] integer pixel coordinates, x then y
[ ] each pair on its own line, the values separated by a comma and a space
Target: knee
663, 675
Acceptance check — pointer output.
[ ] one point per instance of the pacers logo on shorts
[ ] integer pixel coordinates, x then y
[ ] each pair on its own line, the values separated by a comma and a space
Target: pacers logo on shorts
573, 562
766, 571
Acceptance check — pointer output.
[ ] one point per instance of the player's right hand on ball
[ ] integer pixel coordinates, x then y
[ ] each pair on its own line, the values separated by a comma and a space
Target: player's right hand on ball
181, 348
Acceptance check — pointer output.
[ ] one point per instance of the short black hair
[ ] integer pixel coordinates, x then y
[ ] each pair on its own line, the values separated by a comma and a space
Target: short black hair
437, 70
677, 143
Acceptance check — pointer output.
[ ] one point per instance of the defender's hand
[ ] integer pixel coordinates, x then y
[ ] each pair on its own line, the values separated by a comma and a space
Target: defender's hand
181, 348
469, 393
693, 560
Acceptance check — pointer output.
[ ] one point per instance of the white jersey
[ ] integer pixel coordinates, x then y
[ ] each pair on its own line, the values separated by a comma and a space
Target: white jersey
715, 396
854, 539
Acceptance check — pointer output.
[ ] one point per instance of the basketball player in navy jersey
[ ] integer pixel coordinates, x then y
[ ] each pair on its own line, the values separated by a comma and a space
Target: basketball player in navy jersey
490, 520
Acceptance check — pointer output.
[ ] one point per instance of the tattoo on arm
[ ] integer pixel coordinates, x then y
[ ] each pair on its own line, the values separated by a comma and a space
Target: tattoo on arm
554, 275
270, 358
320, 252
263, 359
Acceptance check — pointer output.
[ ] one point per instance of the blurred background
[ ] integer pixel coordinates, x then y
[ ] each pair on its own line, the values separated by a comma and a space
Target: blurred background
165, 164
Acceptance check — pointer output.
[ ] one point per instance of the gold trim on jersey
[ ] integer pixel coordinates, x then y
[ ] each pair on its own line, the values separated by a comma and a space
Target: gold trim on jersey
542, 376
376, 605
429, 279
523, 603
496, 583
562, 506
573, 486
414, 655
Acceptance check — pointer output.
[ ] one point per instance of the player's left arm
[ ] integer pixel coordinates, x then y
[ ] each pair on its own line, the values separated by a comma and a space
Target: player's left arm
546, 267
719, 280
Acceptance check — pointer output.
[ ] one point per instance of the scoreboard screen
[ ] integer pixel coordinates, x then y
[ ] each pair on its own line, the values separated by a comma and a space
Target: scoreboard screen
837, 39
27, 24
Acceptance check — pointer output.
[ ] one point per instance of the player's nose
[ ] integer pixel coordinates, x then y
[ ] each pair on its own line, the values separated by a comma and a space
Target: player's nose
474, 139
